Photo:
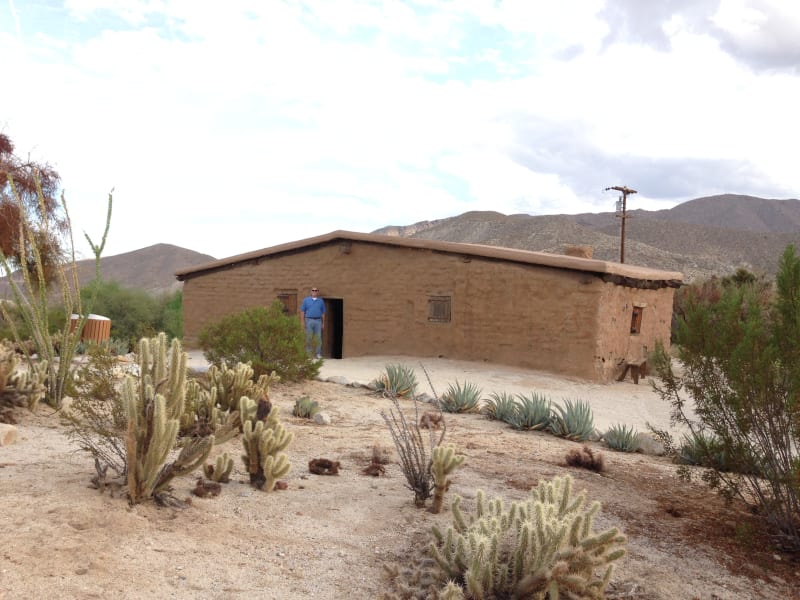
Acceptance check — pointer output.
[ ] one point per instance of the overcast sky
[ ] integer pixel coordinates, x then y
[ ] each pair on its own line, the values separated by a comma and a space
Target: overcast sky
225, 127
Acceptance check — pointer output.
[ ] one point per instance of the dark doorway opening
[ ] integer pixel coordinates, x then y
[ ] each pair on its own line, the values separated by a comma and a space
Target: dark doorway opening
334, 328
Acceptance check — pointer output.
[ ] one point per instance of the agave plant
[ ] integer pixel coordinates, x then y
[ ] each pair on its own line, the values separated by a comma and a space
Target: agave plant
461, 398
622, 438
500, 407
573, 421
531, 412
397, 381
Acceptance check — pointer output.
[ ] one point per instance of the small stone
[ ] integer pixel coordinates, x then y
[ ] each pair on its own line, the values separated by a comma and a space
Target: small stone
81, 571
322, 418
8, 434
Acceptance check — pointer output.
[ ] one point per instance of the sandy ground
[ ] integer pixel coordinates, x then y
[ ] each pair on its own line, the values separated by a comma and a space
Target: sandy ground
329, 537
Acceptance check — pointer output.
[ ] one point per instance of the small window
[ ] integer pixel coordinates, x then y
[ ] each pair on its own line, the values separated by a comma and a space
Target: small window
636, 319
289, 301
439, 309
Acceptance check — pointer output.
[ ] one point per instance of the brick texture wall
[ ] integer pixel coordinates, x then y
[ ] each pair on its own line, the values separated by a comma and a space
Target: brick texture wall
502, 312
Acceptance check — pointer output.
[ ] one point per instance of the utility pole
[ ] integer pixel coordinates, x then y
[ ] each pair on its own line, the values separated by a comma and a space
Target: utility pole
622, 213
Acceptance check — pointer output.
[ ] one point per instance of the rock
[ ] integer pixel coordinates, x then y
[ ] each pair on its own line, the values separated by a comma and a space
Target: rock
425, 397
8, 434
595, 436
650, 445
338, 379
322, 418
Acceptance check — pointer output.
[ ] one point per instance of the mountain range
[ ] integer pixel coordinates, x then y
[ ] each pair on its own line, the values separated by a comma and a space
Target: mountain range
707, 236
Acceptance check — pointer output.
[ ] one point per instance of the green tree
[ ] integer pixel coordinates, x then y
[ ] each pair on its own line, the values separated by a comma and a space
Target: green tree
172, 314
740, 369
266, 338
135, 313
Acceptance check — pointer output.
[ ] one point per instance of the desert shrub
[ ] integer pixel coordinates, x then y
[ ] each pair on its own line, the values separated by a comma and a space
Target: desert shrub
266, 338
622, 438
171, 314
740, 360
573, 421
585, 459
542, 546
460, 398
14, 321
135, 313
305, 408
531, 412
701, 449
396, 381
96, 418
501, 406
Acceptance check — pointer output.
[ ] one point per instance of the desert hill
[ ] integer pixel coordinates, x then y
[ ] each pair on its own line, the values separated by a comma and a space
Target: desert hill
151, 269
713, 235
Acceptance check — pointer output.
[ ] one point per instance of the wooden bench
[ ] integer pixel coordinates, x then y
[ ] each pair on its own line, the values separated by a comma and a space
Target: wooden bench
638, 368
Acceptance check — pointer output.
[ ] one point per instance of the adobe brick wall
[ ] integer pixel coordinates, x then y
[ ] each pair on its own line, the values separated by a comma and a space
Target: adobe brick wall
502, 312
615, 342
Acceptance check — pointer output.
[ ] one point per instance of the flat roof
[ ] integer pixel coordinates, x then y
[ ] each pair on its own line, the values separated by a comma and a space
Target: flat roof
558, 261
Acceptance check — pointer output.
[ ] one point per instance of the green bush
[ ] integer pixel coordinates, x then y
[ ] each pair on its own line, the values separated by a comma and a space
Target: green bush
739, 388
706, 450
56, 319
135, 313
622, 438
460, 398
172, 314
266, 338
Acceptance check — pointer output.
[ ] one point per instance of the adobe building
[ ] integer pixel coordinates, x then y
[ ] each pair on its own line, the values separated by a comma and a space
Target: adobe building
388, 295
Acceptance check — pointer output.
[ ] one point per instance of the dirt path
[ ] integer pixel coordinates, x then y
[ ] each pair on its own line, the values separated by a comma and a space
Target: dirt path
329, 537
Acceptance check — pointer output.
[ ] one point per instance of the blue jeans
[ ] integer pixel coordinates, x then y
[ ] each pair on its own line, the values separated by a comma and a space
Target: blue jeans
314, 335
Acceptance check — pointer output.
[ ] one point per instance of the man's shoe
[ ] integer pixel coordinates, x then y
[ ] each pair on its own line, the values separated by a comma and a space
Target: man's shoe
319, 356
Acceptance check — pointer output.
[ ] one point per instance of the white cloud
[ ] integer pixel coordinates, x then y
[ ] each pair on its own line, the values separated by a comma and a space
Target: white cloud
228, 128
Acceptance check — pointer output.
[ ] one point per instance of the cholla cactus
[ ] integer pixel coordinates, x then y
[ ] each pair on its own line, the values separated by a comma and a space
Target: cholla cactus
167, 376
263, 443
220, 471
541, 547
231, 384
30, 384
154, 405
8, 363
445, 461
150, 437
202, 416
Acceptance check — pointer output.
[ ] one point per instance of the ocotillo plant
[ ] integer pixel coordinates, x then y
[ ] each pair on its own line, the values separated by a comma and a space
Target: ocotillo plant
32, 297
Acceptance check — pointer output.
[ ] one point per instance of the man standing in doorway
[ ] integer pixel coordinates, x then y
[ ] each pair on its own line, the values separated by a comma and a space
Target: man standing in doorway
312, 317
